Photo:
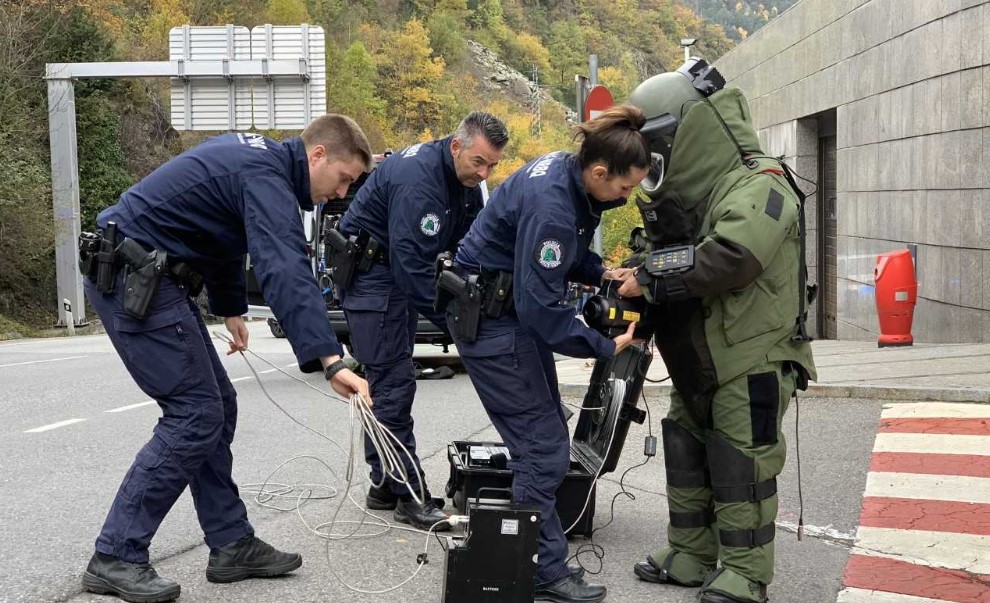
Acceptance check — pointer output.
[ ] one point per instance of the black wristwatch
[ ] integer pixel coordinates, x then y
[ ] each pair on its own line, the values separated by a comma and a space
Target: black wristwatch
333, 369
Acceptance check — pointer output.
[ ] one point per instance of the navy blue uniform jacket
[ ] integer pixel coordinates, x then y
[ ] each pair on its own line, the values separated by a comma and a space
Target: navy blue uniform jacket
232, 195
538, 225
415, 205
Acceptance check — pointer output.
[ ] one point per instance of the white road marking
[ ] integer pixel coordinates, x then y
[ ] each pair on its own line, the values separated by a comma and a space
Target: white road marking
936, 410
41, 361
131, 406
932, 443
858, 595
946, 550
54, 426
252, 376
149, 402
827, 533
928, 487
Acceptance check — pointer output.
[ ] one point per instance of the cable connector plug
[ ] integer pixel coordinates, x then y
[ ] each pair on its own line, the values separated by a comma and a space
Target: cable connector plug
421, 559
458, 520
650, 445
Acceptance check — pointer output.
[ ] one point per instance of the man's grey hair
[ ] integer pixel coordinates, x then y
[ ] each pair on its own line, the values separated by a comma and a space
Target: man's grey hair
485, 124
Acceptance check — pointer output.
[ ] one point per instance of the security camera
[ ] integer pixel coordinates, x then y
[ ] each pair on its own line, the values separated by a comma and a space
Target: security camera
688, 41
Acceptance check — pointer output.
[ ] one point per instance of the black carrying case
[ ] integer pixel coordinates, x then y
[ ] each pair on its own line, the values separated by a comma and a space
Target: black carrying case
595, 448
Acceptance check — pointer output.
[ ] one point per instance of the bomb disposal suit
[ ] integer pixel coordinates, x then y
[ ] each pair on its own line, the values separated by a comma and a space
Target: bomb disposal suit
730, 330
411, 208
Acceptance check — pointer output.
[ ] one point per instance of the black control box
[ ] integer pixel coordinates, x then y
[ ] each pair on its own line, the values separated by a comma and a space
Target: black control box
496, 561
595, 448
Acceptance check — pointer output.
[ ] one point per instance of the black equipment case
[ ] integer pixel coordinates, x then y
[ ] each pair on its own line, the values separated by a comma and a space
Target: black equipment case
595, 448
496, 561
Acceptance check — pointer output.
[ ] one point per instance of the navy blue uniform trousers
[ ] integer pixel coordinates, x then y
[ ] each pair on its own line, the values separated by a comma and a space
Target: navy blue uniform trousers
170, 357
383, 322
516, 380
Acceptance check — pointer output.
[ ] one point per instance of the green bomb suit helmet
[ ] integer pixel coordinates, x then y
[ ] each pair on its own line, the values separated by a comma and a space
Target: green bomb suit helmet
665, 99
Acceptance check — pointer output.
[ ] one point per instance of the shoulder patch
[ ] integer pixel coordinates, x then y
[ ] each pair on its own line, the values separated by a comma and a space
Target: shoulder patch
411, 151
429, 224
550, 253
775, 204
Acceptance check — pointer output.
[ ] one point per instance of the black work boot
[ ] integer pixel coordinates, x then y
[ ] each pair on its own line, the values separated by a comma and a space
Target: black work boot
133, 582
381, 499
570, 590
576, 569
249, 557
423, 516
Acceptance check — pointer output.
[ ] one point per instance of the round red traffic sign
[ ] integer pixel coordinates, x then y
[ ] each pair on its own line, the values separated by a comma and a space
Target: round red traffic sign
599, 99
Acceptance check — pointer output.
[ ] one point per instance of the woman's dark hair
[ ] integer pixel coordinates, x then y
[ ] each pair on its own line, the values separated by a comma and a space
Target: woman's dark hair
614, 139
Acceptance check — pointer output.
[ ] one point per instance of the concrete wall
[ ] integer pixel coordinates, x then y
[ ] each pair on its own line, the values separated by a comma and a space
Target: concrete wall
910, 83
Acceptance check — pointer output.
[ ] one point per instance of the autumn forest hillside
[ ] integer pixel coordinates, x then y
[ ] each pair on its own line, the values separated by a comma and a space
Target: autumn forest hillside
402, 68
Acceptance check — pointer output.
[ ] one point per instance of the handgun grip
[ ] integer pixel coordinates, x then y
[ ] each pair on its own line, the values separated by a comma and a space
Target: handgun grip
448, 281
336, 239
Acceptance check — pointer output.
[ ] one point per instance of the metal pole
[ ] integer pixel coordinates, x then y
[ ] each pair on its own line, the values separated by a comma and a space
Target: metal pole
596, 244
65, 195
687, 54
581, 90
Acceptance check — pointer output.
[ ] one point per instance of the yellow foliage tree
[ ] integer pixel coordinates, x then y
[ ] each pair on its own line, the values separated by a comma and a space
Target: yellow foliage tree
286, 12
163, 15
616, 81
531, 52
411, 80
524, 144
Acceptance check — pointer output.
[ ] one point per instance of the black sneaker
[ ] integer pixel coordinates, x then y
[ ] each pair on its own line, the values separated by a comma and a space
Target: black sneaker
132, 582
381, 499
570, 590
249, 557
423, 516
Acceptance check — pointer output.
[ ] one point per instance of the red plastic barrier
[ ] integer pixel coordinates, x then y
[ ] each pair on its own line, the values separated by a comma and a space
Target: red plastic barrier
897, 294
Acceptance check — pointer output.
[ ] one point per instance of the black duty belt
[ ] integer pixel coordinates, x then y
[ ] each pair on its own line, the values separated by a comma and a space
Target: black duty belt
101, 258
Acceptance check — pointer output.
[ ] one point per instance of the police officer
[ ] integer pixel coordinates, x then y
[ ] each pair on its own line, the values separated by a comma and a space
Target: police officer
201, 212
730, 331
416, 204
537, 228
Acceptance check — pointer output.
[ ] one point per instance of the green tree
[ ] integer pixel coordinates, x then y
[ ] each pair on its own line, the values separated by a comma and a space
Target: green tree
617, 224
39, 33
525, 51
353, 90
487, 18
568, 51
162, 17
447, 38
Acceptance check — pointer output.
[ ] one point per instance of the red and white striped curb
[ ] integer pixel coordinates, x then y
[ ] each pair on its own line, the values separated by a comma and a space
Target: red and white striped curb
924, 533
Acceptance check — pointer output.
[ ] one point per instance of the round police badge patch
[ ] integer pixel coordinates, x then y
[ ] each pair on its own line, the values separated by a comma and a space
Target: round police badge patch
550, 254
430, 225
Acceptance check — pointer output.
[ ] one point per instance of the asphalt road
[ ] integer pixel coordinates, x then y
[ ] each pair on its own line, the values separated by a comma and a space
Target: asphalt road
57, 480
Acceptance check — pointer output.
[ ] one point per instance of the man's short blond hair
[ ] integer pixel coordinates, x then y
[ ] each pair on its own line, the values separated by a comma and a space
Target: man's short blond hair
340, 135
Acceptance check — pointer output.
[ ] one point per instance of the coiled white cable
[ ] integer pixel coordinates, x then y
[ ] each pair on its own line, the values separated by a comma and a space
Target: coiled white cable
390, 449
